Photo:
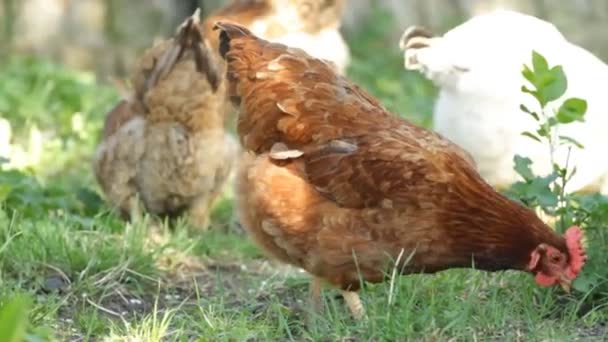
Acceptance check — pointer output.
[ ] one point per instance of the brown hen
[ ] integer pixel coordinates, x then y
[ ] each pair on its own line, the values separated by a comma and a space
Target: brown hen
165, 147
338, 186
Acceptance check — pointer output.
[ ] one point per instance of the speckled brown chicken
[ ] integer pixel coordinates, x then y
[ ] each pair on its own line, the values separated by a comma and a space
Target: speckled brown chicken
340, 187
165, 147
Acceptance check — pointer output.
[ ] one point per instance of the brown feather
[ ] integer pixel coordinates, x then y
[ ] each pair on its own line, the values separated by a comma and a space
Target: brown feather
117, 117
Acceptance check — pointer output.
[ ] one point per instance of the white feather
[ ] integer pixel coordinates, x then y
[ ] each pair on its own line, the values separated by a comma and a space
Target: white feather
477, 66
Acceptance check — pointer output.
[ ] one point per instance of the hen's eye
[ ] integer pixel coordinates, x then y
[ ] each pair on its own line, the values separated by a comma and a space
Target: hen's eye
556, 258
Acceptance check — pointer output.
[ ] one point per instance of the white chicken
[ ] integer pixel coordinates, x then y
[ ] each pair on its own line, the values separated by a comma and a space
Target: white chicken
477, 67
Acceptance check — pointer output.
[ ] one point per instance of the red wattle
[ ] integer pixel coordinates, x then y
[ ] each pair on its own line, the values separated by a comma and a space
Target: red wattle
545, 280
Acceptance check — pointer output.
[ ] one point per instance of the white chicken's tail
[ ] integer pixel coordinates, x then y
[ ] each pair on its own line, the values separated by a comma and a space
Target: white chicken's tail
430, 55
414, 39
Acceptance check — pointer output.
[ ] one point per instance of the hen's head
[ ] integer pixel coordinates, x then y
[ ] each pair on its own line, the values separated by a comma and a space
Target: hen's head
552, 266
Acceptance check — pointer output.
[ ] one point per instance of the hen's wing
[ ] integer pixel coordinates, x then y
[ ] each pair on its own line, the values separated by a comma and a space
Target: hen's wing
376, 171
354, 151
117, 156
117, 117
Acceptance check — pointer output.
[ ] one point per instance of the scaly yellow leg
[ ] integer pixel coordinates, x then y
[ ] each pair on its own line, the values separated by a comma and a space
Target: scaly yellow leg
354, 304
316, 285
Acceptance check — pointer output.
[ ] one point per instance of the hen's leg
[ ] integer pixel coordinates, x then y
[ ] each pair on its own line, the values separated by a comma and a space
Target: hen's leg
198, 213
316, 285
133, 211
354, 304
201, 208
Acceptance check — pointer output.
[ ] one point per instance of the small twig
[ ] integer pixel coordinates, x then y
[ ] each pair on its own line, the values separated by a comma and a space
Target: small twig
124, 299
106, 310
128, 270
393, 276
58, 270
8, 241
562, 195
110, 273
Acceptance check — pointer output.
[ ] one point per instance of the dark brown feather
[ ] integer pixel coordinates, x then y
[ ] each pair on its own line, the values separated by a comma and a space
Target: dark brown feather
117, 116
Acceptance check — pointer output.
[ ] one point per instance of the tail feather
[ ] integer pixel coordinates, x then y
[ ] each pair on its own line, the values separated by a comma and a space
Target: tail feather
229, 31
236, 46
187, 37
414, 32
413, 39
117, 117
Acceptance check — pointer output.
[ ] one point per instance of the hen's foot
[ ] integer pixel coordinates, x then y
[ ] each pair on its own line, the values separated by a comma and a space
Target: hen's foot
354, 304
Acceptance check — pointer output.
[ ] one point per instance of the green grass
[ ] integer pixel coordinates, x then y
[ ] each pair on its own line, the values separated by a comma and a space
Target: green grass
140, 285
87, 276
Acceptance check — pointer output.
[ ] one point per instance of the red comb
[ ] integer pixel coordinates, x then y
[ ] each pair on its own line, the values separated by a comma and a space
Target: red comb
574, 242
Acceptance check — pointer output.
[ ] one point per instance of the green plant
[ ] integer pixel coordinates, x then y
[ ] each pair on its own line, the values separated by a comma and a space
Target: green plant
23, 193
55, 115
548, 84
13, 319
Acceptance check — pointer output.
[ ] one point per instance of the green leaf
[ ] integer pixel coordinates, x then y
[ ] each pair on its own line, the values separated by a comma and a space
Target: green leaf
571, 110
5, 191
523, 167
552, 121
525, 89
542, 131
536, 191
547, 199
564, 140
539, 63
584, 282
560, 171
541, 187
528, 74
556, 85
526, 110
14, 319
532, 136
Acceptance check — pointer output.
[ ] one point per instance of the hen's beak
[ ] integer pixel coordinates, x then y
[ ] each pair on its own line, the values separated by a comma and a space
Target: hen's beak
566, 284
